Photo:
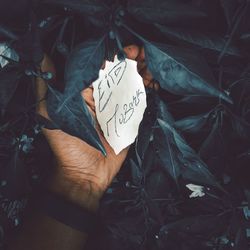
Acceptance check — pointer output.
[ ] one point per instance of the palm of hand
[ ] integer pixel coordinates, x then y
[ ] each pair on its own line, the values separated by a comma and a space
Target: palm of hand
76, 160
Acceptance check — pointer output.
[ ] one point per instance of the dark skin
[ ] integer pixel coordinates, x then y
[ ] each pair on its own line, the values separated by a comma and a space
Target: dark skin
82, 173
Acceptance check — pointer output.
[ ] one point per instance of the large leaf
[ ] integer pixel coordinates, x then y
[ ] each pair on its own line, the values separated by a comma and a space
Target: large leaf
7, 33
87, 7
28, 46
203, 40
181, 71
161, 11
229, 7
192, 124
9, 78
178, 158
72, 116
214, 148
83, 65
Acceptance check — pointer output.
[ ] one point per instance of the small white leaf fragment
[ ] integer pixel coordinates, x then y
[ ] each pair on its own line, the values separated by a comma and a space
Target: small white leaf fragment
120, 101
197, 191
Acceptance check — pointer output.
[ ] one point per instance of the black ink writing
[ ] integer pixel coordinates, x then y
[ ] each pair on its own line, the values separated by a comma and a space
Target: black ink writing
122, 116
113, 77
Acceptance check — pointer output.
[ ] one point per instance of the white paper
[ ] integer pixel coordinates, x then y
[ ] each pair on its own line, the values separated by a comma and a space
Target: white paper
120, 101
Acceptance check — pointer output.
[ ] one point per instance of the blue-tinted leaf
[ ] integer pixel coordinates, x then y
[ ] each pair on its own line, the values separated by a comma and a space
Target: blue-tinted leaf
181, 71
28, 46
229, 7
179, 159
44, 122
7, 33
192, 124
241, 127
87, 7
9, 78
199, 224
203, 40
170, 12
83, 65
72, 116
136, 173
214, 149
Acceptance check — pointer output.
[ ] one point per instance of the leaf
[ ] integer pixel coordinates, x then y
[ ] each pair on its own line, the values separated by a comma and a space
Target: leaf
203, 40
83, 65
157, 185
192, 124
181, 71
229, 7
73, 117
240, 127
145, 134
213, 150
9, 78
168, 12
7, 33
15, 174
179, 159
136, 173
29, 46
200, 224
43, 121
86, 7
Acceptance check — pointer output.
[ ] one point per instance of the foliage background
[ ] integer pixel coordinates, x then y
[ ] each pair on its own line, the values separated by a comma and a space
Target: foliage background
195, 129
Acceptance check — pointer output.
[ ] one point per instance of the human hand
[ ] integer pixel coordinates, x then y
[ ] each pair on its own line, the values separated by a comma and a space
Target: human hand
82, 173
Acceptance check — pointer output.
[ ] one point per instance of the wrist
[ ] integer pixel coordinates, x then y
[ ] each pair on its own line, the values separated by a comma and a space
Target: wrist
84, 194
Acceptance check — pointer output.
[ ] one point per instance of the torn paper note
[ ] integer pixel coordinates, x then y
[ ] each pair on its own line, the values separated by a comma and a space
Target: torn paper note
120, 101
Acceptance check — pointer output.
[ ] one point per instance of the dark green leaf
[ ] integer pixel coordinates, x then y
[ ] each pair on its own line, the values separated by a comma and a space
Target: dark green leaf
83, 65
200, 224
179, 159
7, 33
9, 78
87, 7
192, 124
181, 71
72, 116
203, 40
241, 127
229, 8
214, 148
44, 122
169, 12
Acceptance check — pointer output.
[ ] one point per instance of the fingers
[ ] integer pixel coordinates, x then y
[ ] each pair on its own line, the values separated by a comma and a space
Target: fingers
87, 95
132, 51
142, 68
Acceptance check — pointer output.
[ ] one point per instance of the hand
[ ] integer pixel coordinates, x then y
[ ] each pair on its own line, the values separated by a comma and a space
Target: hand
82, 173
